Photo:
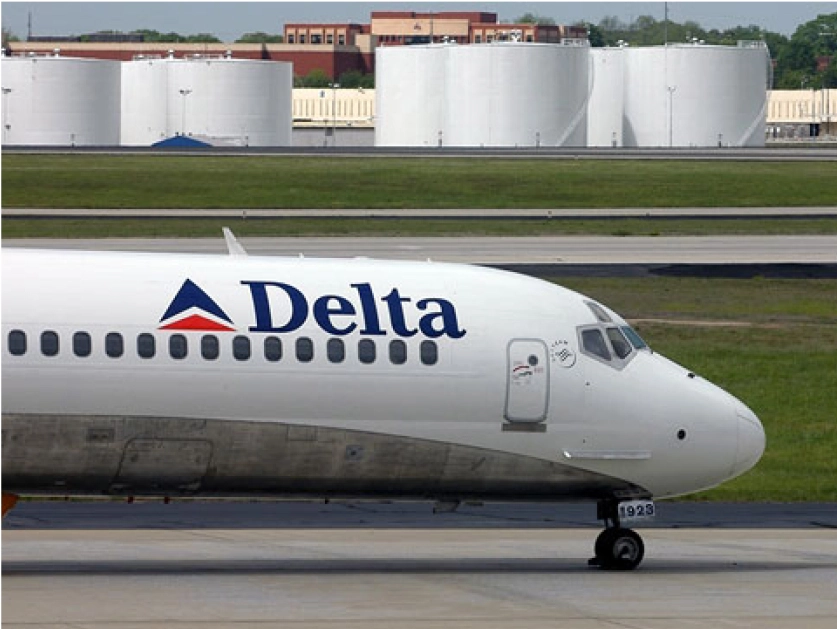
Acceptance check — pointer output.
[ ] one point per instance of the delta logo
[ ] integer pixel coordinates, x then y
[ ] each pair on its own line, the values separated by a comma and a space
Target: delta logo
280, 308
193, 310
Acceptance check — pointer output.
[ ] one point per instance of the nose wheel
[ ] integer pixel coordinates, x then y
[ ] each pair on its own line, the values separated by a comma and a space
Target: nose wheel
616, 548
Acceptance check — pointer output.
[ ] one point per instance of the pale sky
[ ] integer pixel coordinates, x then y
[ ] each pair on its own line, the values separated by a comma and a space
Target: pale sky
229, 20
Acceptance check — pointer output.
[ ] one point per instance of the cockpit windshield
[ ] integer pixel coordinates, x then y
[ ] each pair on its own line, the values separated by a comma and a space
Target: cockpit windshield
592, 341
607, 341
620, 344
634, 338
611, 344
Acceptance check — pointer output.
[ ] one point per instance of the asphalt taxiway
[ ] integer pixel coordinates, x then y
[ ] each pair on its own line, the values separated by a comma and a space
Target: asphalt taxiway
495, 250
379, 566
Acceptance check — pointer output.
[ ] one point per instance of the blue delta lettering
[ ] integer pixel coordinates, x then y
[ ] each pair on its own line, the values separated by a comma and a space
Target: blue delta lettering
337, 315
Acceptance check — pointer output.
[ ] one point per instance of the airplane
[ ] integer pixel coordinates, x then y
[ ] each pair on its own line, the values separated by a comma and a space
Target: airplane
235, 375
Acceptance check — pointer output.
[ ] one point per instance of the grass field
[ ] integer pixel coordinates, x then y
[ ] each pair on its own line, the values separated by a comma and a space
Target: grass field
776, 349
163, 181
15, 227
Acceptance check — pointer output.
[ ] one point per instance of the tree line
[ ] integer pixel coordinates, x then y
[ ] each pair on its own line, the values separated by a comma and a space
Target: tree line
156, 37
795, 58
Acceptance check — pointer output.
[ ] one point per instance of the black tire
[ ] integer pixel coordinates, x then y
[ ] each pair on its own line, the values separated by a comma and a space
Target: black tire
619, 549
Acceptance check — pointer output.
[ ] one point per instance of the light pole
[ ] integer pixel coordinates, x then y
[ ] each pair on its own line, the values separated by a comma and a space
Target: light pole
671, 89
184, 93
814, 124
334, 87
6, 125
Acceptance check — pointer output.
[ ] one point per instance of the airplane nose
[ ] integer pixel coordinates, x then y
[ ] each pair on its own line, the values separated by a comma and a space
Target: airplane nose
751, 439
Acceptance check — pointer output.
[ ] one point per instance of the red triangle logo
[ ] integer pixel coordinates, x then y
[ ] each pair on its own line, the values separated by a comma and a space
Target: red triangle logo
199, 323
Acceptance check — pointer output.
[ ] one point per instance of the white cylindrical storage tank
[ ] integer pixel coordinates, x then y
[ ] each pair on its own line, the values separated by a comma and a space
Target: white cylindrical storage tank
606, 106
230, 101
501, 94
144, 103
516, 94
410, 95
696, 95
468, 96
60, 101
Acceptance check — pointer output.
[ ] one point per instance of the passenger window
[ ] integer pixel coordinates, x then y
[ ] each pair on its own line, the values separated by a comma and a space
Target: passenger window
146, 346
177, 346
429, 353
114, 345
336, 350
49, 343
594, 343
17, 342
304, 350
620, 344
210, 348
272, 348
241, 348
81, 344
398, 352
366, 351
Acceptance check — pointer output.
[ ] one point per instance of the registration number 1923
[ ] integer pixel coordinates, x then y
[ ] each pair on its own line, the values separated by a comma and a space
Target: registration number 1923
637, 510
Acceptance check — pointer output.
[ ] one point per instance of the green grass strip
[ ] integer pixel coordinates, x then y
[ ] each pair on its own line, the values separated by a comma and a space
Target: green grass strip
164, 181
14, 227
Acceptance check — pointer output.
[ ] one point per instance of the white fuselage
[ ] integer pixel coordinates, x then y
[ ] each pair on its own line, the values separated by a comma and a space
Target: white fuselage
232, 374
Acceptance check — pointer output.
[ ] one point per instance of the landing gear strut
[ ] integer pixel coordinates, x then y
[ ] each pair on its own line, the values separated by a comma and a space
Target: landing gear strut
616, 548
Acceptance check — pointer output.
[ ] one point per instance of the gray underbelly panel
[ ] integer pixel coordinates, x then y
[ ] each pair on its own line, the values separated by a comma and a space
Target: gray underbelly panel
137, 455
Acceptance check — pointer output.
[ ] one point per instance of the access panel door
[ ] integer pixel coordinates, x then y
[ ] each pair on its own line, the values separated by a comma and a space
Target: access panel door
527, 398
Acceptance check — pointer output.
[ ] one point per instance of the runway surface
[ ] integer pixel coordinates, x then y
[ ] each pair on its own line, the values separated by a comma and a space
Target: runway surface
493, 250
257, 513
510, 567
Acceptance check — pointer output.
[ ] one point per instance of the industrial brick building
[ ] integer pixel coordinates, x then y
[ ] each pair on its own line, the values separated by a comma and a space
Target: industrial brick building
399, 28
332, 48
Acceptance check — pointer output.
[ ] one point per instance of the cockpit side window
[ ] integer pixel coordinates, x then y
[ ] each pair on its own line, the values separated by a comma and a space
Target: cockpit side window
593, 343
634, 338
598, 312
620, 344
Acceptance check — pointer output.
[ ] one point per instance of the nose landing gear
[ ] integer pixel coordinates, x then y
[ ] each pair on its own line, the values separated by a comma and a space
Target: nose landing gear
616, 548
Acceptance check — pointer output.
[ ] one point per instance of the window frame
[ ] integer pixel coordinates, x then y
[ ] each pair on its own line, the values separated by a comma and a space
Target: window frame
304, 349
239, 343
174, 351
336, 350
398, 359
429, 353
111, 345
11, 348
210, 347
367, 356
151, 342
275, 355
52, 335
78, 339
621, 339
